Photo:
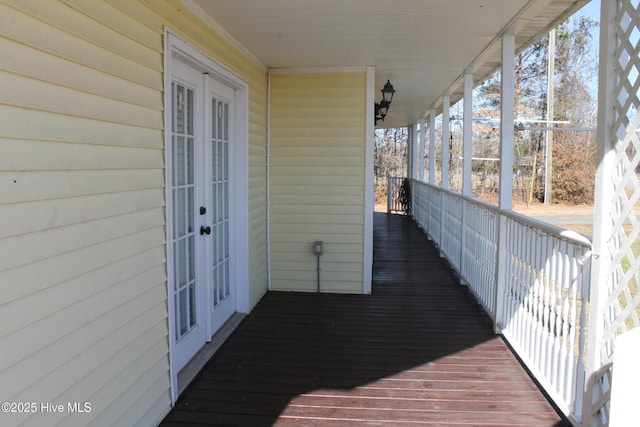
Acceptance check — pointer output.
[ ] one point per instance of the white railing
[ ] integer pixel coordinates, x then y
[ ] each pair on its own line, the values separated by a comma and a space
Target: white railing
452, 228
544, 301
480, 251
532, 278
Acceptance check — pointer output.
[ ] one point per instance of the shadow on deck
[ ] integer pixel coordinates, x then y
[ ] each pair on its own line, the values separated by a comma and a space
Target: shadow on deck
417, 352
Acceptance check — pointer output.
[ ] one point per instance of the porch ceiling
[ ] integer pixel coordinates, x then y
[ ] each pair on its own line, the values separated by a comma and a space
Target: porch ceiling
422, 46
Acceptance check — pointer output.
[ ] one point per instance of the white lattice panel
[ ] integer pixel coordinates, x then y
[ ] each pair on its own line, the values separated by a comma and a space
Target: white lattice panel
620, 310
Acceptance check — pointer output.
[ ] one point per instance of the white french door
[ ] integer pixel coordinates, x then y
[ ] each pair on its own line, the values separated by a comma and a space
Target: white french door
201, 191
220, 190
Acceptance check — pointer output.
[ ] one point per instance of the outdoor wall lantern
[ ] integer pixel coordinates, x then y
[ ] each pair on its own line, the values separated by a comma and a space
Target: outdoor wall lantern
382, 107
387, 93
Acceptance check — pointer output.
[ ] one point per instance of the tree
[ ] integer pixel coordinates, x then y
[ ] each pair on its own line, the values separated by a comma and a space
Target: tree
390, 157
573, 152
573, 177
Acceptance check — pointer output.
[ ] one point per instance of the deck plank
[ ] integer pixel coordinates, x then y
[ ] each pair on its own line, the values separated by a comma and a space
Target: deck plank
419, 351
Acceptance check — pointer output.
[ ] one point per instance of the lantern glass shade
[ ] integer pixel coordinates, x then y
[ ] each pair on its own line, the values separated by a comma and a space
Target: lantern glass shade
387, 92
384, 107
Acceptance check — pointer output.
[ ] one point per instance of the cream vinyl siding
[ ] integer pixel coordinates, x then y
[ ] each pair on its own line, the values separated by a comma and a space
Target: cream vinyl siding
317, 180
83, 298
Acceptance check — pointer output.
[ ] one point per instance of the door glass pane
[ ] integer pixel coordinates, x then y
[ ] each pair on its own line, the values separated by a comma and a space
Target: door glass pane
183, 201
189, 160
225, 164
192, 304
184, 312
181, 256
179, 211
192, 259
214, 120
179, 108
220, 200
189, 114
178, 160
226, 123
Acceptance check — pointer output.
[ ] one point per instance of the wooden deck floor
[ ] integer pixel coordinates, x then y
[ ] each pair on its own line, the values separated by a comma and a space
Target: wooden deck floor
417, 352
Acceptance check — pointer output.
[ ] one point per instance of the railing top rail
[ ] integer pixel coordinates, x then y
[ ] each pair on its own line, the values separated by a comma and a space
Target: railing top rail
553, 230
559, 232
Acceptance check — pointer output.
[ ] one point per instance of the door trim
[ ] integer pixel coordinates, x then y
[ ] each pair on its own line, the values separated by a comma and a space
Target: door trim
176, 49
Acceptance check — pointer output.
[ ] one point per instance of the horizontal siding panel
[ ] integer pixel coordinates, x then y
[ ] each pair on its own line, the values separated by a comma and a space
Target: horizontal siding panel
56, 298
293, 111
38, 276
159, 409
317, 124
120, 22
349, 188
293, 238
356, 170
293, 218
317, 229
315, 210
62, 323
147, 344
331, 271
22, 186
62, 16
285, 181
148, 398
312, 161
116, 327
326, 137
41, 125
36, 64
335, 253
46, 155
45, 214
345, 86
32, 32
128, 386
33, 247
127, 341
28, 93
317, 150
288, 199
147, 18
339, 142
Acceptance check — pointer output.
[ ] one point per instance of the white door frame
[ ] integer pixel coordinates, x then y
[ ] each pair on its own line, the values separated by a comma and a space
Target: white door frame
177, 49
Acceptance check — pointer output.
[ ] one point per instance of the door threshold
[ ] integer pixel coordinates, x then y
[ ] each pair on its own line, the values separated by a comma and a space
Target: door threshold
195, 365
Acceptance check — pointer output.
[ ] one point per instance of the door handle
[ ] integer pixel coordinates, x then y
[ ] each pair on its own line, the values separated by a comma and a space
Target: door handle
204, 230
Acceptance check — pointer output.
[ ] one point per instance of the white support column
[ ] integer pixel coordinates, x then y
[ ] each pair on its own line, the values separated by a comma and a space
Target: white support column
410, 153
416, 151
446, 101
604, 189
507, 116
369, 196
467, 129
421, 133
507, 106
432, 146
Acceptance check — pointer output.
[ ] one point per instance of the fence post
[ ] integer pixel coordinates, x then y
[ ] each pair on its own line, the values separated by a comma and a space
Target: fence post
389, 194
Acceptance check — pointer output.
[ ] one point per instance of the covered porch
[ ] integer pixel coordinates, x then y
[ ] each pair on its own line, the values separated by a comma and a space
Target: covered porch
418, 351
